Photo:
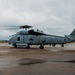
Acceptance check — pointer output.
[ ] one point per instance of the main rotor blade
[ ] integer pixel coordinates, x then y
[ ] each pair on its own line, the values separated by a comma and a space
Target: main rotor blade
9, 28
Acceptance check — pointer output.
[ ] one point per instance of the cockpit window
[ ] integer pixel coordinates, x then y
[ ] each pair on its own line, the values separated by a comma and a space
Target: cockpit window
18, 38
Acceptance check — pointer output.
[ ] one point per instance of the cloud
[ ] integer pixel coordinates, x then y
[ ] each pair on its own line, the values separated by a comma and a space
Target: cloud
52, 16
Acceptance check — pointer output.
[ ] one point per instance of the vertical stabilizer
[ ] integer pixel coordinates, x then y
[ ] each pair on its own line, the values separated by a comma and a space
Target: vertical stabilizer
73, 33
71, 37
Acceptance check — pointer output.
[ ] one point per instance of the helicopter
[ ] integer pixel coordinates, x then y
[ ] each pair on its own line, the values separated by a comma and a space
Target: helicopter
30, 37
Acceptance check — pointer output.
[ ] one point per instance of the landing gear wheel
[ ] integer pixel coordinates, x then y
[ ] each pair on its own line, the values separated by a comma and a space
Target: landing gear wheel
41, 47
15, 46
53, 45
62, 45
28, 46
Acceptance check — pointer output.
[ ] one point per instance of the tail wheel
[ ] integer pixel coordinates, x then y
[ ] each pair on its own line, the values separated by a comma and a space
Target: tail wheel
53, 45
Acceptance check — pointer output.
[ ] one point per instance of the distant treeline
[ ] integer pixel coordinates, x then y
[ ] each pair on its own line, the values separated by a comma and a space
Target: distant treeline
3, 40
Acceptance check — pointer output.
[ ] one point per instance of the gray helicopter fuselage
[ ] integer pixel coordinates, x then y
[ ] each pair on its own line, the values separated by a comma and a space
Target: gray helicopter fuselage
24, 38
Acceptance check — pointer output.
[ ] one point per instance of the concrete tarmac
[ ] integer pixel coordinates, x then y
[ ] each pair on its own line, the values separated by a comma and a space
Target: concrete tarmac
34, 61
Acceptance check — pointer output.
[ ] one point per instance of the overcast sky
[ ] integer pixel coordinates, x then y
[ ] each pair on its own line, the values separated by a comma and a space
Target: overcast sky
52, 16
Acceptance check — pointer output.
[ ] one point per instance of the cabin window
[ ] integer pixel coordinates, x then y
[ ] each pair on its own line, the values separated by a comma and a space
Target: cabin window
18, 38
